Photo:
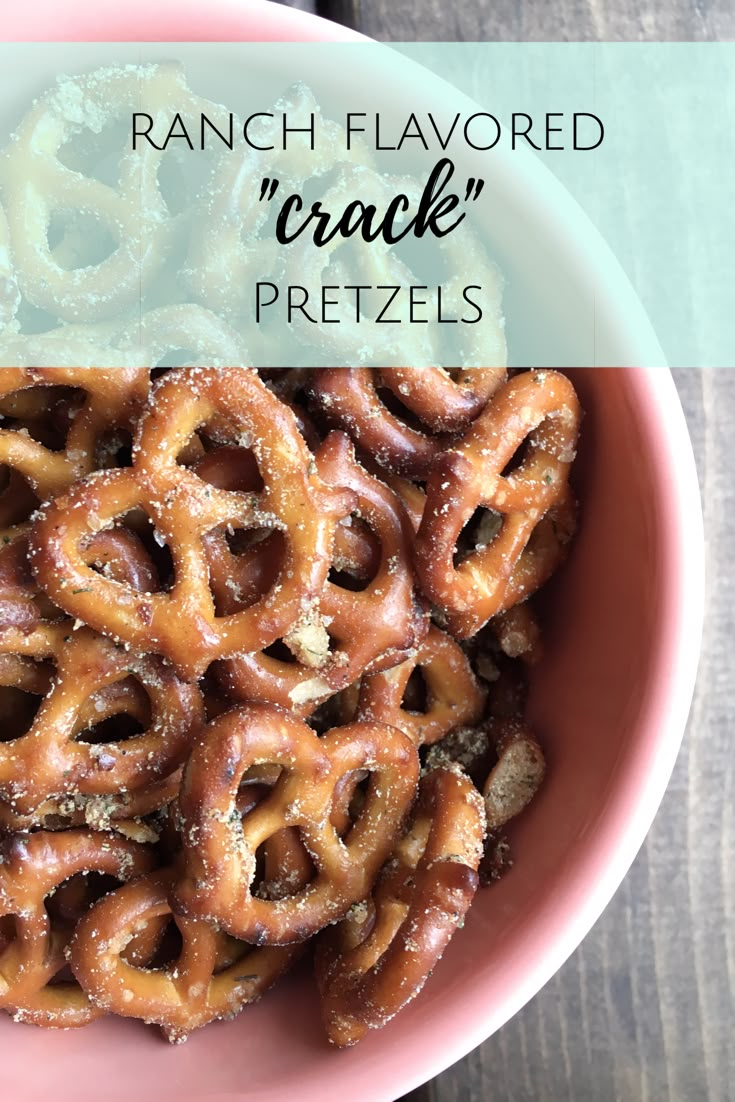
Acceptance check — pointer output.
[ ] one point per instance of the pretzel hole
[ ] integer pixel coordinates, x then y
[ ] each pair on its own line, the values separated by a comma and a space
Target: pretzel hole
258, 555
7, 931
68, 901
517, 459
169, 949
280, 652
289, 878
350, 797
479, 531
416, 694
97, 155
395, 406
114, 448
154, 552
17, 499
119, 728
240, 541
17, 712
231, 467
44, 413
79, 239
124, 711
355, 566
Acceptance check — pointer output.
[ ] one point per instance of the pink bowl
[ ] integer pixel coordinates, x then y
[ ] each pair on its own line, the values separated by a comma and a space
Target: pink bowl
610, 703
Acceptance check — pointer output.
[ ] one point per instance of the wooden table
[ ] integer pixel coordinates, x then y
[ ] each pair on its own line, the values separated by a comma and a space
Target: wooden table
644, 1011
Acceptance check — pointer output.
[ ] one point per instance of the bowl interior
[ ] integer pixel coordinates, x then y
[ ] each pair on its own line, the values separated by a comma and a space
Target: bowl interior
589, 703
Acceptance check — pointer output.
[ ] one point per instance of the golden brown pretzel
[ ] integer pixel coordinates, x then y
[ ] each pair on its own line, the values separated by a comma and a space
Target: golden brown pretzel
32, 866
537, 407
220, 850
94, 680
453, 694
343, 632
183, 624
214, 976
239, 578
188, 994
379, 957
113, 398
442, 400
348, 397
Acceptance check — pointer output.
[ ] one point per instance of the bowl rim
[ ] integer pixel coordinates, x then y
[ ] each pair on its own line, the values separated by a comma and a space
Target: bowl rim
626, 820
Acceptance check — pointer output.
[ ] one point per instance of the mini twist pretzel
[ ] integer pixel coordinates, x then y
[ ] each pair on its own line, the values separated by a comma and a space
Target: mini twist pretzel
113, 397
237, 580
380, 956
226, 243
91, 685
540, 408
349, 398
214, 976
36, 185
182, 624
220, 849
453, 694
31, 867
370, 628
24, 606
180, 998
439, 400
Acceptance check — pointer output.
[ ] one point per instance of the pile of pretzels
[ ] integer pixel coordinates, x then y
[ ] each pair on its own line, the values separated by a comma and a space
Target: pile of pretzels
264, 640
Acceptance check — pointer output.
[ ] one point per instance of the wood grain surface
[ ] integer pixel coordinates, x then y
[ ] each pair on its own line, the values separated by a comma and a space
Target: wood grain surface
644, 1011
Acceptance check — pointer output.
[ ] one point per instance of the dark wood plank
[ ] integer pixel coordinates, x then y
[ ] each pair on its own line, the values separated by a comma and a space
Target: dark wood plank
535, 20
644, 1011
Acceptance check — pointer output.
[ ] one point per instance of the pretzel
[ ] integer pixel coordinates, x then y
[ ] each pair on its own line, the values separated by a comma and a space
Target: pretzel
31, 867
344, 632
220, 854
379, 957
196, 335
453, 694
443, 401
184, 996
337, 264
539, 407
94, 681
240, 578
113, 396
183, 624
349, 399
36, 185
227, 242
9, 290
